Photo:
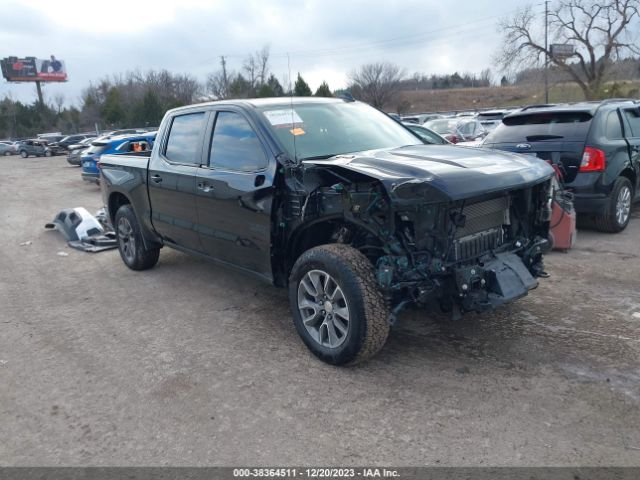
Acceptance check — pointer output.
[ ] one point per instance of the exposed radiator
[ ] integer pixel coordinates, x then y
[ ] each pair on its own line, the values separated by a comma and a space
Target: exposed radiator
482, 230
484, 215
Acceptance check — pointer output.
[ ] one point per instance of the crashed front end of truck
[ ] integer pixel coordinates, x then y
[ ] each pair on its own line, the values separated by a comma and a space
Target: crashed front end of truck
465, 253
470, 255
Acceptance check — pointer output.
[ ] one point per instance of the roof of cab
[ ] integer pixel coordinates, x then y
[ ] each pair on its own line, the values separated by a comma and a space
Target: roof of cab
265, 102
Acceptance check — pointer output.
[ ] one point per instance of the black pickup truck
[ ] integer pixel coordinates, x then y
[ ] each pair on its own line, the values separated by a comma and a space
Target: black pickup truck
340, 204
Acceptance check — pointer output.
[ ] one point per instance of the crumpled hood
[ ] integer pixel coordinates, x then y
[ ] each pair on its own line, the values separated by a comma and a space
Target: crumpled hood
455, 172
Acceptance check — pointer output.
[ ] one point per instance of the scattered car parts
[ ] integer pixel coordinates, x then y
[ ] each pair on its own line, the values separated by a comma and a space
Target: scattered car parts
83, 231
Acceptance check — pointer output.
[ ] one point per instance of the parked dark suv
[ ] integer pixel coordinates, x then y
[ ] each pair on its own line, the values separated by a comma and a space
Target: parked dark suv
36, 147
596, 146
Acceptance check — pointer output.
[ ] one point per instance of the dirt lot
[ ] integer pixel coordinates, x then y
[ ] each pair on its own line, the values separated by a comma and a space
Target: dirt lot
191, 364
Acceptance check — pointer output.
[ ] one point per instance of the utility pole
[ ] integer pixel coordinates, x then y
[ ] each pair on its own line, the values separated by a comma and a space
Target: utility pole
546, 51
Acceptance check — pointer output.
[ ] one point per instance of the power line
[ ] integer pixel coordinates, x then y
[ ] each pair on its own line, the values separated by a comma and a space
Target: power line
393, 42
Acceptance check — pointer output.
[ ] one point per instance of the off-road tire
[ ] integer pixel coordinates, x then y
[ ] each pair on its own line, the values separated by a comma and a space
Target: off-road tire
24, 154
142, 257
608, 222
368, 312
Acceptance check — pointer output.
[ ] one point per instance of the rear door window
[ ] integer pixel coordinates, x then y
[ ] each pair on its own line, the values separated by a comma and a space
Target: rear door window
613, 127
633, 117
540, 126
183, 145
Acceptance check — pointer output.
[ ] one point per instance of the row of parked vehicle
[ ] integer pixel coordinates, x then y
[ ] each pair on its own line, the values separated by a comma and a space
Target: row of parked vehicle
459, 127
44, 146
47, 145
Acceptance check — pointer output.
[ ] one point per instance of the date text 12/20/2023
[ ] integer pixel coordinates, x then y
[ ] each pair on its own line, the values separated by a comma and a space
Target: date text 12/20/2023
315, 472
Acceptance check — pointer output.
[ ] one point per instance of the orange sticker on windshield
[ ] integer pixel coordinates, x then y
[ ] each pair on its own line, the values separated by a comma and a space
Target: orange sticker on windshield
297, 131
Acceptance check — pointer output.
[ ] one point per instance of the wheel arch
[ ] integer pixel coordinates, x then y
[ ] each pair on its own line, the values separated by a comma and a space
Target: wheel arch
115, 201
630, 174
320, 231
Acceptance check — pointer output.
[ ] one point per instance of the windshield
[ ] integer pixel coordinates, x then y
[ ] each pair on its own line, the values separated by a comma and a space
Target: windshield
321, 130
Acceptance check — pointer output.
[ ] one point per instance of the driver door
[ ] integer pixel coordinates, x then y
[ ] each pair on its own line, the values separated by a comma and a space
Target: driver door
234, 194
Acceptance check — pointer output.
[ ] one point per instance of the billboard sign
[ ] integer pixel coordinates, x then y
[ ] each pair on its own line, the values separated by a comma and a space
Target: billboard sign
562, 50
32, 69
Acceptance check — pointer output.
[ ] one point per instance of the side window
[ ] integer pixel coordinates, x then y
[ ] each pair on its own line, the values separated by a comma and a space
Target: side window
613, 127
633, 117
234, 145
183, 143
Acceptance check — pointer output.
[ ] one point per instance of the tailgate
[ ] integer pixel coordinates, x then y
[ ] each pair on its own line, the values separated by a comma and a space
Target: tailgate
567, 155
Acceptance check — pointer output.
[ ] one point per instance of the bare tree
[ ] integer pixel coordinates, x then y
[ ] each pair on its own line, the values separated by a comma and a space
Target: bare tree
256, 66
251, 68
263, 64
376, 83
601, 33
58, 100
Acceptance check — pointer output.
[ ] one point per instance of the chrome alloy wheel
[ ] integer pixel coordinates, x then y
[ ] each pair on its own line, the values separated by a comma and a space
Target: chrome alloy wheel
323, 308
126, 240
623, 205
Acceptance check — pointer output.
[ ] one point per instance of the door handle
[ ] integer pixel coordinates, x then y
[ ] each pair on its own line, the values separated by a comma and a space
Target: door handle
156, 178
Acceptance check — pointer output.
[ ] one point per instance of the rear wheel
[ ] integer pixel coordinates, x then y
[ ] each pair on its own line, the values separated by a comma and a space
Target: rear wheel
23, 154
338, 309
130, 244
47, 153
616, 218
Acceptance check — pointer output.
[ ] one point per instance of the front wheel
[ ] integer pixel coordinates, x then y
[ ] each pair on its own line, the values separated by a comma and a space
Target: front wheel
130, 244
47, 153
618, 212
338, 309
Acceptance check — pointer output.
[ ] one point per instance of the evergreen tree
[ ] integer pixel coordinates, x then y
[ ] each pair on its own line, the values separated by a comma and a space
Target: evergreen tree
148, 111
324, 90
239, 87
113, 111
277, 89
301, 88
265, 91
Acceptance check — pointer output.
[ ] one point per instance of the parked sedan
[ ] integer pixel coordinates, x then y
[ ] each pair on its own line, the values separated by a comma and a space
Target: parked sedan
458, 129
76, 151
7, 148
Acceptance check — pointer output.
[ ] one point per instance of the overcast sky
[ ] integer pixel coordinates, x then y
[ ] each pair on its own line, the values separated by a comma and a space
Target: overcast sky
326, 38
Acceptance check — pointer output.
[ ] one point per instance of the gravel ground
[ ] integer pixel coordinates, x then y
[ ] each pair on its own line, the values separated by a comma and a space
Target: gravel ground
193, 364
